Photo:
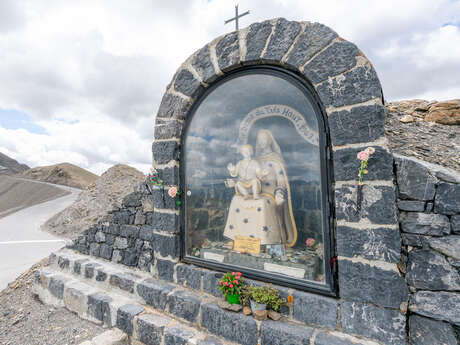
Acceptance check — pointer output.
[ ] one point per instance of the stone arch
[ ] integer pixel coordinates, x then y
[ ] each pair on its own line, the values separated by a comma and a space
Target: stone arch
349, 91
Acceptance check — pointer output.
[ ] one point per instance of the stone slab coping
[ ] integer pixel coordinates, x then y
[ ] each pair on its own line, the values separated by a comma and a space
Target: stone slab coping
132, 300
111, 337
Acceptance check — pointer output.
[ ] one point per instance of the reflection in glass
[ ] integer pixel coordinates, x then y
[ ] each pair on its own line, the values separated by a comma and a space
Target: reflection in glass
253, 179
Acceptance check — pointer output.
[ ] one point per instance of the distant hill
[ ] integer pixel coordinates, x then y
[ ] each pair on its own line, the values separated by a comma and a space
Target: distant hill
9, 166
64, 173
95, 201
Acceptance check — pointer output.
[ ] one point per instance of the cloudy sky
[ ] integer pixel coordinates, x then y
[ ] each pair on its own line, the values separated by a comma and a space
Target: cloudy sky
80, 81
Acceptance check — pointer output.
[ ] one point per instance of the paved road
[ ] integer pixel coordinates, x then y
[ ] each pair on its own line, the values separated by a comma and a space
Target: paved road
22, 243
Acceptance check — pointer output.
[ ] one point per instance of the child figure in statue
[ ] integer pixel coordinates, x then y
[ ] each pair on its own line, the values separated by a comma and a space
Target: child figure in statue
249, 173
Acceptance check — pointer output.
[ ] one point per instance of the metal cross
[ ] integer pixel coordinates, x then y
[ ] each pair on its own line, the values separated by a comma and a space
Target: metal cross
236, 17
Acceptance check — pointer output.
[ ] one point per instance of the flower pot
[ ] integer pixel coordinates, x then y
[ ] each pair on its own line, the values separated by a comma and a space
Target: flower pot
257, 306
233, 299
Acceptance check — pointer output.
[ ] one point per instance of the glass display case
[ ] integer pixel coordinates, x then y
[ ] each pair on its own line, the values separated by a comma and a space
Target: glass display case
254, 172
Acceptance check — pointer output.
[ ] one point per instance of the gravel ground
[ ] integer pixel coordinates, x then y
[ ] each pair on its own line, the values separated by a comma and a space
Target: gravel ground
25, 320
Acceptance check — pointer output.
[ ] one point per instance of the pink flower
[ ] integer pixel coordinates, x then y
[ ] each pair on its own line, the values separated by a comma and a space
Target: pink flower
239, 274
226, 283
363, 155
172, 192
310, 242
235, 282
233, 273
231, 285
220, 283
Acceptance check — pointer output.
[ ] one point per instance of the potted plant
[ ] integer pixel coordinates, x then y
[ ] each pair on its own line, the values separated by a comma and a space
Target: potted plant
261, 298
231, 286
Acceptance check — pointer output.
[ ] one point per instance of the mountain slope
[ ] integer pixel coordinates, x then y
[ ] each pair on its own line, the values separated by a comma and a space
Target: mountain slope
64, 173
9, 166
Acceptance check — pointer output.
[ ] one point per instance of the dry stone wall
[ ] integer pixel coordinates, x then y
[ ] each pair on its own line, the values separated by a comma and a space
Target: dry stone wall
378, 279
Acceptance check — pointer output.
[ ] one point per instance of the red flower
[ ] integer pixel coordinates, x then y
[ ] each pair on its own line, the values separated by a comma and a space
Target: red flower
239, 274
231, 285
235, 282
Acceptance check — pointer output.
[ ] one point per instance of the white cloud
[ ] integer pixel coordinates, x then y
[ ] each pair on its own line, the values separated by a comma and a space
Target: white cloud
106, 63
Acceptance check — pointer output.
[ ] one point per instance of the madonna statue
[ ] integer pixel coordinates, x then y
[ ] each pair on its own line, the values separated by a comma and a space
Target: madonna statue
268, 217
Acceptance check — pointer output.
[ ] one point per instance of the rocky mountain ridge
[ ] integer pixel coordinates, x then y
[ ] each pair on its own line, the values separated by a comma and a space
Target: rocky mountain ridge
10, 166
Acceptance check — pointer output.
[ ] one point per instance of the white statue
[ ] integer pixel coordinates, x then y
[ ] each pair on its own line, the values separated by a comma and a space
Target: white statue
249, 173
268, 217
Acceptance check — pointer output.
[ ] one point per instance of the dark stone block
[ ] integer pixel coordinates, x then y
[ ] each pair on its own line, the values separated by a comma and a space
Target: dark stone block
109, 239
165, 222
101, 275
228, 324
89, 269
177, 335
412, 240
364, 283
439, 305
77, 265
282, 38
314, 38
411, 205
211, 282
335, 59
131, 231
256, 39
150, 328
185, 305
346, 165
106, 251
203, 65
227, 51
94, 249
56, 286
125, 316
99, 307
345, 203
447, 199
428, 270
168, 130
189, 276
169, 176
374, 244
358, 125
146, 259
165, 151
132, 200
154, 293
63, 263
130, 257
146, 233
173, 106
165, 269
113, 229
424, 331
282, 333
123, 281
455, 223
321, 311
341, 91
379, 204
414, 180
449, 245
166, 245
424, 223
386, 325
186, 83
162, 200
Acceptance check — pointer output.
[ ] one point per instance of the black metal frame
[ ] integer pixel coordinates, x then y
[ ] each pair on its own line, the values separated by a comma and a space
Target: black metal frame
330, 288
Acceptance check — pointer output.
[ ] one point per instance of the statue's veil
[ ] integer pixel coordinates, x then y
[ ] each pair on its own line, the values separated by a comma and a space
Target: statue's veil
273, 144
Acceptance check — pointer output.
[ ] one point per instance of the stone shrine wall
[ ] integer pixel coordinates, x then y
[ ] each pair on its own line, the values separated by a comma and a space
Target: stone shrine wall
380, 281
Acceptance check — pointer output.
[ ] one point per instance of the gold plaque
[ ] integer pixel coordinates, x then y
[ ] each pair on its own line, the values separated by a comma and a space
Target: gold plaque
248, 245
